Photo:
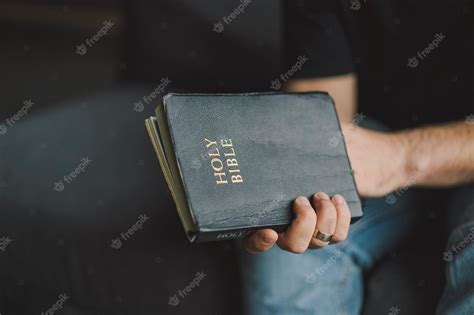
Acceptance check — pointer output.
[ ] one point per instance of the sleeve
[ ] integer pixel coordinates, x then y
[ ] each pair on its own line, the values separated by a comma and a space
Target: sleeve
314, 33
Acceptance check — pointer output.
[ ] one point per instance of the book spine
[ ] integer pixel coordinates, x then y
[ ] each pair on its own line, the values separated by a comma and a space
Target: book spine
232, 234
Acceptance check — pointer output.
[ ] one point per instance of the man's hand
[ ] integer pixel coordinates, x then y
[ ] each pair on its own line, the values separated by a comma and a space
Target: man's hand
329, 216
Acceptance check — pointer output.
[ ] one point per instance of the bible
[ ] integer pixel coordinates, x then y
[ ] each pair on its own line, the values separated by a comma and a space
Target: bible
235, 162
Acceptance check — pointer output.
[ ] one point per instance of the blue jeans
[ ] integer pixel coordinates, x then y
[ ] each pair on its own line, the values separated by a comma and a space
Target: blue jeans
330, 280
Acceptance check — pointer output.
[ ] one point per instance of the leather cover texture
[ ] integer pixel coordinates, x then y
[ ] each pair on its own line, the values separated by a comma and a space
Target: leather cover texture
243, 158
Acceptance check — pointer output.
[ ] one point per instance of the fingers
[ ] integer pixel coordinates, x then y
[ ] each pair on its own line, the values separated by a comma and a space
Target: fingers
343, 219
298, 235
260, 241
327, 218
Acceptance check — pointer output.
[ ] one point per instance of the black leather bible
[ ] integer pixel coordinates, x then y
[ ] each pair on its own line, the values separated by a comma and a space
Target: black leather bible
235, 162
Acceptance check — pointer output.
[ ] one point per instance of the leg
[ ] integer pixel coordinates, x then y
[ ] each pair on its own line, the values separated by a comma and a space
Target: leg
458, 296
328, 280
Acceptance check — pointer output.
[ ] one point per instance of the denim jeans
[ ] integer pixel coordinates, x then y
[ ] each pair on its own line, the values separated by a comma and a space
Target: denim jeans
330, 280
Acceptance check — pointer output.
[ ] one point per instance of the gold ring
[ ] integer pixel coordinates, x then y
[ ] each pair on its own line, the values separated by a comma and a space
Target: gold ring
322, 236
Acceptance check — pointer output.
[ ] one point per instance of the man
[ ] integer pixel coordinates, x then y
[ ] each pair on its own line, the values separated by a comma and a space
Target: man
411, 65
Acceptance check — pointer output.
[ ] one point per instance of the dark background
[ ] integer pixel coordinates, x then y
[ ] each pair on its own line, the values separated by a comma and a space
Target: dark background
149, 41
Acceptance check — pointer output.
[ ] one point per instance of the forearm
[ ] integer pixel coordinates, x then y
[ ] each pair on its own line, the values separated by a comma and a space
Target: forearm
441, 155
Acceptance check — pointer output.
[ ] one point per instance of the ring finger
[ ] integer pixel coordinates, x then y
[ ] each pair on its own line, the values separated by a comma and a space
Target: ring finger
327, 218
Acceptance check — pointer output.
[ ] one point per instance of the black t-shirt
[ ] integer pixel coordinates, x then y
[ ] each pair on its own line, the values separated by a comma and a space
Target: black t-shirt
414, 59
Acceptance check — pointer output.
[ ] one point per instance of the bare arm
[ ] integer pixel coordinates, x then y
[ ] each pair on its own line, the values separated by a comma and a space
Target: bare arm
442, 155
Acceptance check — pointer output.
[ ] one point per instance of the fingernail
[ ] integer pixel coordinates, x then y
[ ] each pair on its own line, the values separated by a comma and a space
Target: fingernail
303, 200
267, 240
338, 199
321, 195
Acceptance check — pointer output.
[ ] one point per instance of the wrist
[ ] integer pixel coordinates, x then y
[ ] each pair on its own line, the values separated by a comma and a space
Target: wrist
412, 162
